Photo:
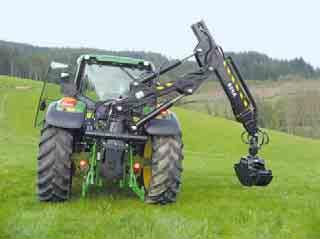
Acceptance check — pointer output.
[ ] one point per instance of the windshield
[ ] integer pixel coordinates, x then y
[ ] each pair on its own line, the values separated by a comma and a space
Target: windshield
104, 82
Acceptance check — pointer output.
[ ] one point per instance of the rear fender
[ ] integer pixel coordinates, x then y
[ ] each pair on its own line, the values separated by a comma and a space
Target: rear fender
166, 126
66, 117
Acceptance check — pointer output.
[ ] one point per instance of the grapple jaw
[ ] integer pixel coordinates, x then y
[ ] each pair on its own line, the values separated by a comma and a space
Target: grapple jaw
251, 171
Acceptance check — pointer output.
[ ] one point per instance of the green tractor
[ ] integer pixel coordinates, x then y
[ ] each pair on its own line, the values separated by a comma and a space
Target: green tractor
113, 124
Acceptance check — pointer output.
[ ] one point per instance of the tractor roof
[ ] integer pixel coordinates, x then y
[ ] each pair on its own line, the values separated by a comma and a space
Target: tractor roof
115, 60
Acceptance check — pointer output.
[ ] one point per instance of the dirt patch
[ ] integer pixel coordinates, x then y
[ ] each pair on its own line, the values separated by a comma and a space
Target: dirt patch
23, 87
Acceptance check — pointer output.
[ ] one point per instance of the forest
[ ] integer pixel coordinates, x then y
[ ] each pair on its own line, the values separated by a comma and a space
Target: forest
27, 61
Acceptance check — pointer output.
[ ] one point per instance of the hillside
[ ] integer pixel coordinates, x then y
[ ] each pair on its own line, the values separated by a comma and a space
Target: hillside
290, 106
212, 203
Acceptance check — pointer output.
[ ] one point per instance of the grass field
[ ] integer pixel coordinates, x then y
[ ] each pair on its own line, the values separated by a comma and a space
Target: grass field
212, 204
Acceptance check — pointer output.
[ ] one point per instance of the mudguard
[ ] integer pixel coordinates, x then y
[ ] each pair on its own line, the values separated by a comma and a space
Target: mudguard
168, 126
64, 119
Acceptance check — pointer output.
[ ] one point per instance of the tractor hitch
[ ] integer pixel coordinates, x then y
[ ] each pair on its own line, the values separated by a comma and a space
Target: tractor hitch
251, 171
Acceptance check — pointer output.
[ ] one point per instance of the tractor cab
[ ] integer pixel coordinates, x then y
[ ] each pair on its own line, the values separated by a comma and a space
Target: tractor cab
97, 77
105, 77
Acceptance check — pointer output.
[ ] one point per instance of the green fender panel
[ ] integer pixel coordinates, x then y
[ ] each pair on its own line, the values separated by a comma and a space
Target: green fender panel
70, 118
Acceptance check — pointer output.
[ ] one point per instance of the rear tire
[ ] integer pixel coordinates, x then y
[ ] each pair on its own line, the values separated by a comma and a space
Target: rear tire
54, 164
166, 169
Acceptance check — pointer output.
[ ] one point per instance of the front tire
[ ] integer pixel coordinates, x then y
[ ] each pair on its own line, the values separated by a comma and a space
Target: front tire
54, 164
166, 169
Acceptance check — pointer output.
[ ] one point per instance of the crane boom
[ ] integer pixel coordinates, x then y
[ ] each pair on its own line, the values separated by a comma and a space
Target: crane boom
212, 61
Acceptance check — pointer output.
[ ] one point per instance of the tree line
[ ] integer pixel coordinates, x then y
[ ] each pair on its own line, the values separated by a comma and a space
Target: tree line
27, 61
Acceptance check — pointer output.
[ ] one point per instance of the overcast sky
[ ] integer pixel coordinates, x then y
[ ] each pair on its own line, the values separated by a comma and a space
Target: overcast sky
279, 28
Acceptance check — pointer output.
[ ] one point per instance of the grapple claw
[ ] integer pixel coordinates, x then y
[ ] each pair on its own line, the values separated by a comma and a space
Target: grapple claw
251, 171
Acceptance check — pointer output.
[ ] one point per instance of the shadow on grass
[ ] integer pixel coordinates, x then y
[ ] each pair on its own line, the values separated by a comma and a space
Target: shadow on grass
108, 191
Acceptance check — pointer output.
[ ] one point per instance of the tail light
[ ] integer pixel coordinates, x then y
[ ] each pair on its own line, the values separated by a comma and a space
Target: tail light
69, 102
136, 168
84, 165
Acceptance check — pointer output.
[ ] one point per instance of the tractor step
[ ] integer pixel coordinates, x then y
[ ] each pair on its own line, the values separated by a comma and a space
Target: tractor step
251, 171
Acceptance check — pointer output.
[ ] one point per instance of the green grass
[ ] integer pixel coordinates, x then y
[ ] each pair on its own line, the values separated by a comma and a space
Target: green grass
212, 203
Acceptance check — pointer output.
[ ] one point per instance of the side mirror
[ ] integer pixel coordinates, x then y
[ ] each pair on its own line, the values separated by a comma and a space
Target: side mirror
64, 76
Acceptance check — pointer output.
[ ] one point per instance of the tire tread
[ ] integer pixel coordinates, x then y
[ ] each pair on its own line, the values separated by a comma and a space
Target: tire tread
54, 164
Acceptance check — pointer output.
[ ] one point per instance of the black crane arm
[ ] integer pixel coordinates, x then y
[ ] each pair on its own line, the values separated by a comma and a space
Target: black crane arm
210, 56
211, 60
251, 169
